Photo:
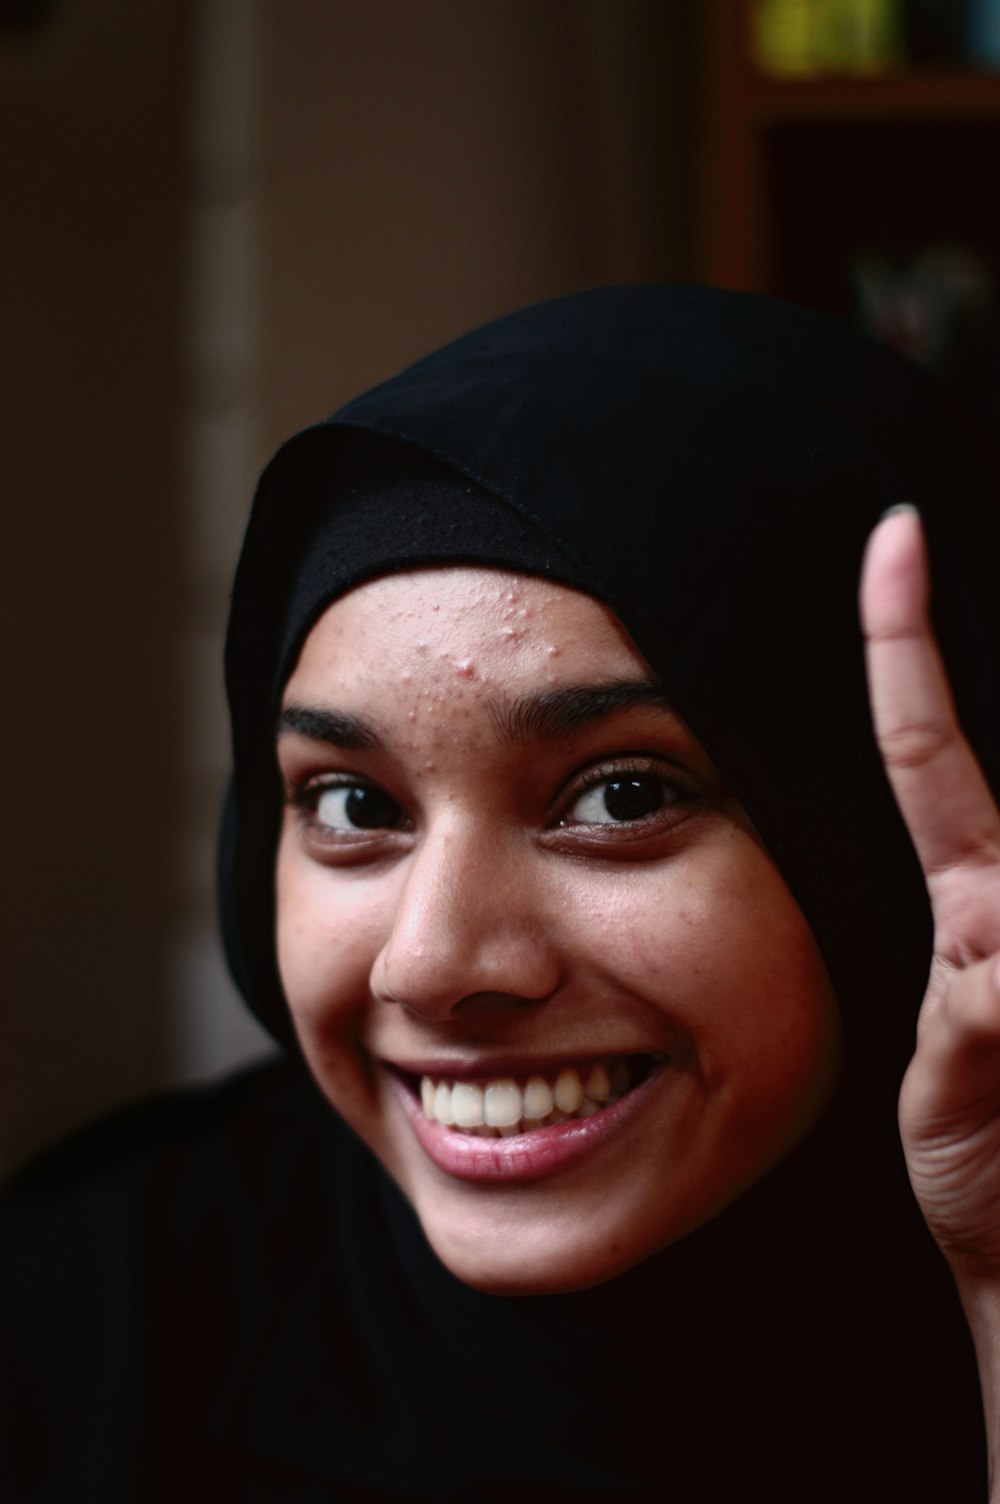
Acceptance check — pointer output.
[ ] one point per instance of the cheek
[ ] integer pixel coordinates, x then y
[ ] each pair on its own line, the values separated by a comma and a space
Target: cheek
327, 939
772, 1042
718, 944
662, 929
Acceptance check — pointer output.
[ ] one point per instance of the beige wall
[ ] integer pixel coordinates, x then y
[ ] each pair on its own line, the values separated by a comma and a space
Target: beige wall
410, 167
90, 114
429, 164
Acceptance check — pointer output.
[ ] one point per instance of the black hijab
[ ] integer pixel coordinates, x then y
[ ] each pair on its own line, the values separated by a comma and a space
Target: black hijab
709, 464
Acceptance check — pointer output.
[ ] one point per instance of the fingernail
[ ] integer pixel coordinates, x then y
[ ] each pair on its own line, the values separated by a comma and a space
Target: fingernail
901, 506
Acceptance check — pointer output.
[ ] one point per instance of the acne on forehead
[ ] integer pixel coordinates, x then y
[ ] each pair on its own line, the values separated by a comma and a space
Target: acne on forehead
430, 609
442, 642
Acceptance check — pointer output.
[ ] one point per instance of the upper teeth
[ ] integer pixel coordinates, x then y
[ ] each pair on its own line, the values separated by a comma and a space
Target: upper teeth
507, 1106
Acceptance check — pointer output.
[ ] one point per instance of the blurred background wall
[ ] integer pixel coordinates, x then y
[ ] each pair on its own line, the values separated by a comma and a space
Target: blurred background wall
93, 116
221, 218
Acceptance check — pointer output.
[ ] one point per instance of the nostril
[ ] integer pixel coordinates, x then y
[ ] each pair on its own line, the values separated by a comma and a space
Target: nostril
458, 968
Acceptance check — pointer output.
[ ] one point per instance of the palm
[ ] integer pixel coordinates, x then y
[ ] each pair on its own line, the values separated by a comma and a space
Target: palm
949, 1107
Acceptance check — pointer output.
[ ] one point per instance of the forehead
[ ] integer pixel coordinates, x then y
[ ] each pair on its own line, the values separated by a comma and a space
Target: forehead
459, 629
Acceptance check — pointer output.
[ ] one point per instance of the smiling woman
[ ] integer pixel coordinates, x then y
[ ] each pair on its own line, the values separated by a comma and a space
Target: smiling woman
561, 857
511, 889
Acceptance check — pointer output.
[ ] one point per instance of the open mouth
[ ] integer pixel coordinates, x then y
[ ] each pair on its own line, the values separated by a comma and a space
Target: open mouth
507, 1106
525, 1126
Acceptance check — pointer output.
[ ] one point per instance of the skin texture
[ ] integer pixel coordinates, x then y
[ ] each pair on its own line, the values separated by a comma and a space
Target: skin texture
497, 919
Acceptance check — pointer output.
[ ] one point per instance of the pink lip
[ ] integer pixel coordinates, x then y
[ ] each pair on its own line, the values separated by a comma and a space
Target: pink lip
525, 1156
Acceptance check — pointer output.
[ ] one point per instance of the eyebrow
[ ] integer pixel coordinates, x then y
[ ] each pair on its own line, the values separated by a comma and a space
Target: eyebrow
546, 716
353, 732
558, 712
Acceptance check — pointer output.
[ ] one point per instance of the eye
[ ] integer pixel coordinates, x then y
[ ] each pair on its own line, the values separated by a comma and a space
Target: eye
618, 800
345, 808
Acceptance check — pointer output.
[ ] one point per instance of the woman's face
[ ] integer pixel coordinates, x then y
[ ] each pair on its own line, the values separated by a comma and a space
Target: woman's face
534, 952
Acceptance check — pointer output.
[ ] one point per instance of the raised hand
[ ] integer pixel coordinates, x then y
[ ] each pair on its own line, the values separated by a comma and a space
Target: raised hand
950, 1103
949, 1107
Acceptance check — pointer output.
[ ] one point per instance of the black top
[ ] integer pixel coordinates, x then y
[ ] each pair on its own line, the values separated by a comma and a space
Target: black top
219, 1295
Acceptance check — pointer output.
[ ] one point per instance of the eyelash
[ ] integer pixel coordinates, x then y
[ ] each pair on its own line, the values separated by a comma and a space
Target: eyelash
634, 770
679, 792
305, 797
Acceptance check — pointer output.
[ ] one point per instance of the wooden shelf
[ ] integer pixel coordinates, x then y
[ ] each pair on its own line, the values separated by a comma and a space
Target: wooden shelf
796, 166
956, 95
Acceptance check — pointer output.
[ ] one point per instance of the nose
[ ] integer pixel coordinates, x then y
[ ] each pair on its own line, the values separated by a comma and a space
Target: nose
467, 927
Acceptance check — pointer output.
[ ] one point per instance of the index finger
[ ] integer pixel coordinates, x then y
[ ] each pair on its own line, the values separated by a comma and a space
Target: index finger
939, 787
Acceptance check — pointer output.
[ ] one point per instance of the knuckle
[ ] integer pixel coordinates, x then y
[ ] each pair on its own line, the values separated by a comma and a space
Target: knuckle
915, 744
973, 1006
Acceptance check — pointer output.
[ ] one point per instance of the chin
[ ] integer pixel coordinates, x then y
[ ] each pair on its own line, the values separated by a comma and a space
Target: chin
513, 1273
502, 1249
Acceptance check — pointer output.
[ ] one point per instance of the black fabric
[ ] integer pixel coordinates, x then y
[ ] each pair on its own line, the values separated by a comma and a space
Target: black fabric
263, 1310
220, 1295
